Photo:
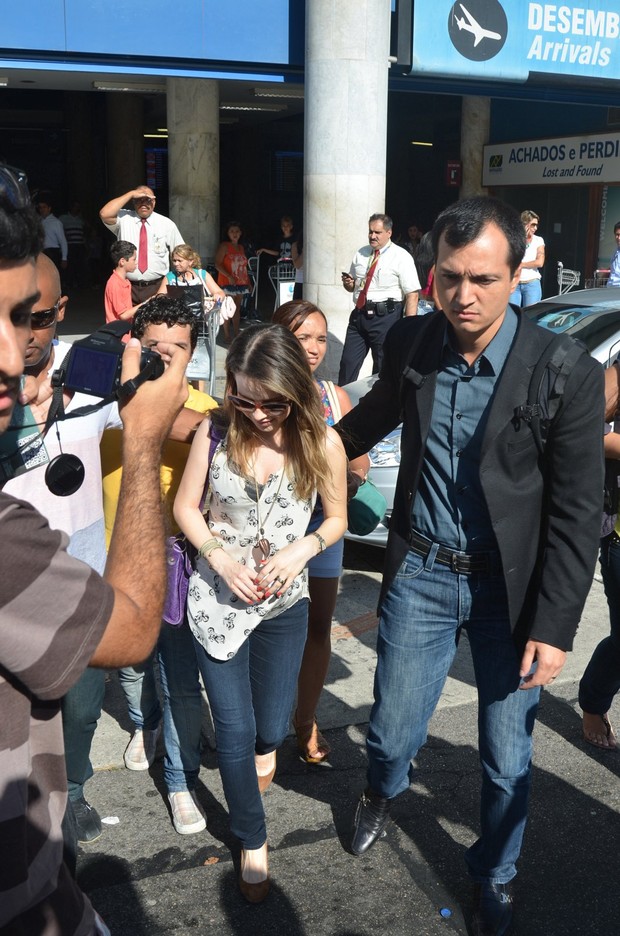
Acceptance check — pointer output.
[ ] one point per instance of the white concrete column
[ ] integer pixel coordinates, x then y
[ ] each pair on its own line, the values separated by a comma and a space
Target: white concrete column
475, 128
194, 161
346, 75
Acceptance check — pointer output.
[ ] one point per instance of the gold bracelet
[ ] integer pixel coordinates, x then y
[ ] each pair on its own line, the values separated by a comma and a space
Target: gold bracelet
208, 546
321, 541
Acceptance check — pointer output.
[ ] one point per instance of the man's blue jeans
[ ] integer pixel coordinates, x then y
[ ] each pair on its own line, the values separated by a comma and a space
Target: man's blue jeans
251, 697
419, 629
178, 673
601, 680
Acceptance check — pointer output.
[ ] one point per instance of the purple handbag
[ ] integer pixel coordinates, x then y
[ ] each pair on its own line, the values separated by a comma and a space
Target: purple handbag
179, 561
180, 556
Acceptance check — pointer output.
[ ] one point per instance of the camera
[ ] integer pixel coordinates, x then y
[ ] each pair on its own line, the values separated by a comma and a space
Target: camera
93, 365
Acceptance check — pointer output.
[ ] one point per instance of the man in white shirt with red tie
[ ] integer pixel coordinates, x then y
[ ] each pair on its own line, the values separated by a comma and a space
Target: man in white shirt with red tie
385, 285
154, 236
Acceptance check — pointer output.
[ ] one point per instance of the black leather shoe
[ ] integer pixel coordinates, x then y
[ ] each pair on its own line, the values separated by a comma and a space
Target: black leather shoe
371, 817
492, 910
88, 821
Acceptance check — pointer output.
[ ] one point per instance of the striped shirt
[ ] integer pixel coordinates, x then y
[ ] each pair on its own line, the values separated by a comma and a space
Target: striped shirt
53, 612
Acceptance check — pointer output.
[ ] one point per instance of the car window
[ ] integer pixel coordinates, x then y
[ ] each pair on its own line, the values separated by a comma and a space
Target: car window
591, 324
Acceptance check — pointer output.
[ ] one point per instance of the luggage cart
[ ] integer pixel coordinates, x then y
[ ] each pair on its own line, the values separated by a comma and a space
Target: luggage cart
567, 278
254, 271
202, 365
282, 276
600, 278
251, 300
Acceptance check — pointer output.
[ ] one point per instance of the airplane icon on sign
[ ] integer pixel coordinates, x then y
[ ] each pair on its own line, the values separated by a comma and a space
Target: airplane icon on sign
469, 24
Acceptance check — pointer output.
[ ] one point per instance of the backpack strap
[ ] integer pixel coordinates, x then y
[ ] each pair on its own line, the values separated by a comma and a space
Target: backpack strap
410, 377
216, 435
547, 385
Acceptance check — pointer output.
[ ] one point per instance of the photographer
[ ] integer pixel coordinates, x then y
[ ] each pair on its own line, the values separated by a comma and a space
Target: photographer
83, 618
80, 515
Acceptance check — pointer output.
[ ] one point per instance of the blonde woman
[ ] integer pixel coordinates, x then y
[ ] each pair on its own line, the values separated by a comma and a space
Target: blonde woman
529, 288
248, 596
188, 273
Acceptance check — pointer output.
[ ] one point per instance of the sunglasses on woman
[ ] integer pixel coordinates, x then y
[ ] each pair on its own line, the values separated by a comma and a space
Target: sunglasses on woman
276, 407
44, 318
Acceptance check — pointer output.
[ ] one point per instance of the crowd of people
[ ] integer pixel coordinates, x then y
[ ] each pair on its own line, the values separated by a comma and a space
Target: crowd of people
258, 485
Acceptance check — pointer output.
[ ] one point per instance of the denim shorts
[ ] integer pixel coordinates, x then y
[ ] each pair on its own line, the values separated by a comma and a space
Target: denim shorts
326, 564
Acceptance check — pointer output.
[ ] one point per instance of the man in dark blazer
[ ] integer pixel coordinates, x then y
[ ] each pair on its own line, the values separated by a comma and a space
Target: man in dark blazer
486, 534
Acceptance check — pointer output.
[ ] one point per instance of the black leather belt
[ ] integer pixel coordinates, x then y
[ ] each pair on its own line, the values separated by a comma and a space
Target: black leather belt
383, 308
156, 279
460, 562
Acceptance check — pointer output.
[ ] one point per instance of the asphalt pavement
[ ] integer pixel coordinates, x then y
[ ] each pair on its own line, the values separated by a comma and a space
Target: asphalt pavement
146, 880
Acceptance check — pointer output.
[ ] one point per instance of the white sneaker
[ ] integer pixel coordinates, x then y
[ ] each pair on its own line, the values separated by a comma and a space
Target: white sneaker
140, 752
187, 816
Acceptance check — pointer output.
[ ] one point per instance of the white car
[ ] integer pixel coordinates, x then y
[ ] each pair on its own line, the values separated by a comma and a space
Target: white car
592, 315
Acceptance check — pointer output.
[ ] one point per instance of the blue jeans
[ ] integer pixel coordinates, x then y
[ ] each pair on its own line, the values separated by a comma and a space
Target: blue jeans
601, 680
251, 697
527, 294
420, 624
81, 709
178, 672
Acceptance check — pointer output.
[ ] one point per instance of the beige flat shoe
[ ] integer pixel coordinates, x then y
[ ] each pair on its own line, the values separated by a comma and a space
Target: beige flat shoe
265, 769
254, 874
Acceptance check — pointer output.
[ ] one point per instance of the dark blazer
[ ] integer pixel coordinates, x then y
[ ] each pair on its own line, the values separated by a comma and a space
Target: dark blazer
547, 528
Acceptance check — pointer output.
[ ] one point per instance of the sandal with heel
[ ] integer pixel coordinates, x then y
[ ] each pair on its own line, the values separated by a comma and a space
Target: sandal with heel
313, 747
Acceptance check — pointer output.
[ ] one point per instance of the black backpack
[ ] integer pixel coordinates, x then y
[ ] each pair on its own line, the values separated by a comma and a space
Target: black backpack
547, 385
544, 400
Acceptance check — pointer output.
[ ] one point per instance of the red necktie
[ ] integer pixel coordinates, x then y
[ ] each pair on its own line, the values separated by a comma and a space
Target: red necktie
361, 299
143, 249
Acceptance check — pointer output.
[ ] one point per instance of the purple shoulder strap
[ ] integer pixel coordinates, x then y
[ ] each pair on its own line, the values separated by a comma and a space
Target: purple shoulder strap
216, 438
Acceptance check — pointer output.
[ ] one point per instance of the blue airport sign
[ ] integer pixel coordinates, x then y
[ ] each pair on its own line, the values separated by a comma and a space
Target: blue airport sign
188, 30
515, 39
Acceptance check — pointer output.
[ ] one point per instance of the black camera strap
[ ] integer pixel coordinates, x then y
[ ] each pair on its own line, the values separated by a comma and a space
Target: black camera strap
57, 407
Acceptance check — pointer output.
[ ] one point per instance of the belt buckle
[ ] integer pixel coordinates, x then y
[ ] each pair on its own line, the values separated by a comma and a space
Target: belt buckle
460, 565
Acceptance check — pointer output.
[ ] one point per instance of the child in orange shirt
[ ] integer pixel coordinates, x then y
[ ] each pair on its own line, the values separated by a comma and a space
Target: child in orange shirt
117, 298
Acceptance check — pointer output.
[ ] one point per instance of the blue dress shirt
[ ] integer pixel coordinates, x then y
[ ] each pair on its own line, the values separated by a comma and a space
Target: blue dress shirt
449, 506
